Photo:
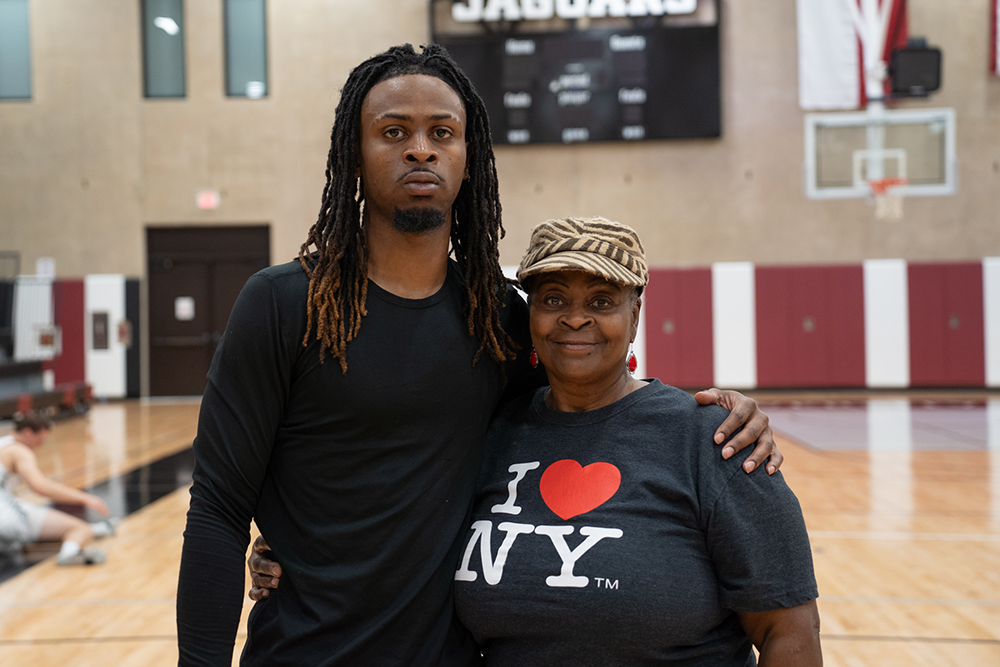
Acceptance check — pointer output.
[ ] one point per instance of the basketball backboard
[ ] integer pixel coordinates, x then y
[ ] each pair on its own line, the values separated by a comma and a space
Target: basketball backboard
858, 154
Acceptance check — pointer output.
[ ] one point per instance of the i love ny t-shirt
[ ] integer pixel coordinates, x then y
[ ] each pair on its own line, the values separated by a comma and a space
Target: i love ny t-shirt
620, 536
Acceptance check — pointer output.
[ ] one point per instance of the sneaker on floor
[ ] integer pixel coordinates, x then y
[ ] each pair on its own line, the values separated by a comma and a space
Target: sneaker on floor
84, 557
104, 528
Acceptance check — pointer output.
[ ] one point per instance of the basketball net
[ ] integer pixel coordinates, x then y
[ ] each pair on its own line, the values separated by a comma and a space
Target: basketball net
888, 200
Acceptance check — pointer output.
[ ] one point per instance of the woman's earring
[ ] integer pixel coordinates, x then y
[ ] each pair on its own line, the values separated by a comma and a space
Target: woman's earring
533, 358
631, 363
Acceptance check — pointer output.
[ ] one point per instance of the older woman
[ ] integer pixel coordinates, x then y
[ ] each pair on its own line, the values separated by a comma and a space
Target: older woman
606, 531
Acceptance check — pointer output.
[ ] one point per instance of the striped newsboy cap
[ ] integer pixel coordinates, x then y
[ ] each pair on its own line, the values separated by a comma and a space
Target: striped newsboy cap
594, 245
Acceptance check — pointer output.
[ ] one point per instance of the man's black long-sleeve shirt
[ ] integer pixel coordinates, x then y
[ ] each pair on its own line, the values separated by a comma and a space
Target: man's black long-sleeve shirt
360, 481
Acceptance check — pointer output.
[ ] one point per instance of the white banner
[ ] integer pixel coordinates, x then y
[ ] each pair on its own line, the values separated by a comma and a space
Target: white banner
843, 49
829, 68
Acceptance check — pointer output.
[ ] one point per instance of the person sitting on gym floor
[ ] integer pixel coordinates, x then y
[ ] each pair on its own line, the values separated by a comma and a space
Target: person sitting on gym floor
22, 522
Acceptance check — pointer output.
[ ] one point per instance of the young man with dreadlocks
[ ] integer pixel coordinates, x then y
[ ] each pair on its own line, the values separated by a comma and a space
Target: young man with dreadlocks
348, 400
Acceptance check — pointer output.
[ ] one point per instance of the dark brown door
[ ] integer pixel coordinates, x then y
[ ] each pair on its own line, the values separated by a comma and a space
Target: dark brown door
195, 275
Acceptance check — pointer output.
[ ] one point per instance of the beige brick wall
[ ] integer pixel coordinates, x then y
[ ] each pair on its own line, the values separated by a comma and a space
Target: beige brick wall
88, 163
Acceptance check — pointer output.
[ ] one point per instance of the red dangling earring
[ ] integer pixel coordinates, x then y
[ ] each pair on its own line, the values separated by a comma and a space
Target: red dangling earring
533, 358
631, 363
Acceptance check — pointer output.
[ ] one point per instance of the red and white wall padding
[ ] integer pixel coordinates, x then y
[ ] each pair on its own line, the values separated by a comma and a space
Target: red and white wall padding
97, 320
883, 323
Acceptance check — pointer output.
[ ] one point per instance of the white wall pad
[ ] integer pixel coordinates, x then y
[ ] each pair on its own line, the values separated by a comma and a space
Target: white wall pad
104, 353
734, 324
887, 324
35, 338
991, 319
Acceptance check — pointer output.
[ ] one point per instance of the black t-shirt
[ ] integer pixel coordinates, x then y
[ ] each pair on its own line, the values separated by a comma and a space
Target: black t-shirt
361, 481
619, 536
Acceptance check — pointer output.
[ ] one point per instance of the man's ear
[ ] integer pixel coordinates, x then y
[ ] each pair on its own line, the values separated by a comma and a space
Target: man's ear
465, 175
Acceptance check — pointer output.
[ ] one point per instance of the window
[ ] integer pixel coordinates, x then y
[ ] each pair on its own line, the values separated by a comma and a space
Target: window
163, 48
246, 48
15, 51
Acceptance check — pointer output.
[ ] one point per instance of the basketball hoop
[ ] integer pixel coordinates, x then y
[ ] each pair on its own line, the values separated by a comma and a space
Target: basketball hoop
888, 202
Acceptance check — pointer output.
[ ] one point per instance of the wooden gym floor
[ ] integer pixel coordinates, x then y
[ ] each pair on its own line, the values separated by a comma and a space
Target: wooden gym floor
901, 496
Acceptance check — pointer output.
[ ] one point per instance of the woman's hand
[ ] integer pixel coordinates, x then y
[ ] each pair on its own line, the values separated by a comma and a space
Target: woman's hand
743, 411
264, 572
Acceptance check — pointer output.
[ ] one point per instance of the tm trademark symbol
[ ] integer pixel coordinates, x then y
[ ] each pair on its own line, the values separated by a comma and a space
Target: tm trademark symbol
606, 583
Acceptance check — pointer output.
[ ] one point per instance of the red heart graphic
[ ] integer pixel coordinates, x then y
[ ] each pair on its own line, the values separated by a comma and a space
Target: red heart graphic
569, 489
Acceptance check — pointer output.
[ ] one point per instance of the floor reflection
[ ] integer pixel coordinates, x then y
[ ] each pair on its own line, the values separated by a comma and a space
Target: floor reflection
890, 424
135, 490
915, 464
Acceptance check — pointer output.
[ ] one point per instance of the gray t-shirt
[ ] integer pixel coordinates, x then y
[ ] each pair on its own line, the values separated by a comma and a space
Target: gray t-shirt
620, 536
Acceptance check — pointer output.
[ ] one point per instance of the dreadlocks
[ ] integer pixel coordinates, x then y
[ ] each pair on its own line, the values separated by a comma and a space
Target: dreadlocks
338, 269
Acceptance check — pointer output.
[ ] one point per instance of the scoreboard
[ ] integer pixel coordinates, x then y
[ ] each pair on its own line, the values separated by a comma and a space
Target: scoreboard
567, 71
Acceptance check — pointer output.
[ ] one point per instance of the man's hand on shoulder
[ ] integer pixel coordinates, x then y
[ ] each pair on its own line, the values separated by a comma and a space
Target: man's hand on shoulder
743, 411
264, 572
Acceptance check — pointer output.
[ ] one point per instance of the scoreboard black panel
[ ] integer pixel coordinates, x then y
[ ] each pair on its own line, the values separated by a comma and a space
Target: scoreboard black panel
635, 79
